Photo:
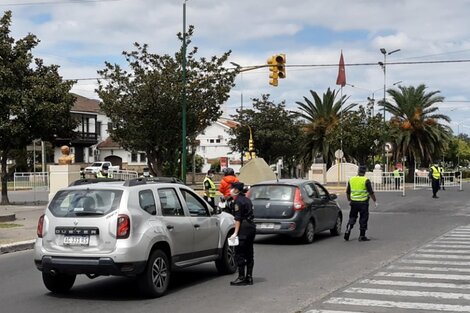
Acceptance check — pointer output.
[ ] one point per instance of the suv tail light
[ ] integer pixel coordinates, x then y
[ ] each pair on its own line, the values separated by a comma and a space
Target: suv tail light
299, 204
123, 226
40, 226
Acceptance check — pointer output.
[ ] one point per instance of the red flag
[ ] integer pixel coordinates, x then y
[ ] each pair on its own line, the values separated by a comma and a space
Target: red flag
341, 80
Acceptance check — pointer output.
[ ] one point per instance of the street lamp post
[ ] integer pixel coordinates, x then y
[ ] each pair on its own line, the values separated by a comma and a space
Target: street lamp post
238, 66
183, 100
384, 67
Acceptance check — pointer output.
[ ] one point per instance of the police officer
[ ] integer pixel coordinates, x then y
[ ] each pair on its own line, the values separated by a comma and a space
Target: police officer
441, 170
103, 173
358, 192
435, 175
245, 229
146, 173
397, 175
209, 188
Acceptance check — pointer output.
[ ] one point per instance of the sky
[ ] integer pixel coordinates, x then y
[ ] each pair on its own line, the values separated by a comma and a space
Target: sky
80, 35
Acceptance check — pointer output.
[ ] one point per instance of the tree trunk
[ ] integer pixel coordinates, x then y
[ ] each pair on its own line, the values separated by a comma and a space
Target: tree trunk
5, 199
411, 170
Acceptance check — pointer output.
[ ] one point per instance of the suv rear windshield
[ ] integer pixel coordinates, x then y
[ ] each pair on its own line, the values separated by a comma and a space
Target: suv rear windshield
73, 203
272, 192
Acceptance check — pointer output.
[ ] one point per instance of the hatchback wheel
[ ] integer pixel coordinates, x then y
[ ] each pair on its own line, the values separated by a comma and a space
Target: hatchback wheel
336, 230
155, 279
309, 233
58, 283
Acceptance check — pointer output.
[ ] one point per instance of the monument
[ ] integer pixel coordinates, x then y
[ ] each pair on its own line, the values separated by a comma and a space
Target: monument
65, 173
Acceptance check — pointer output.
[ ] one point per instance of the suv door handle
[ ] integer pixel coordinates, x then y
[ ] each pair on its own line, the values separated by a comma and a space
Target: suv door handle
197, 225
170, 227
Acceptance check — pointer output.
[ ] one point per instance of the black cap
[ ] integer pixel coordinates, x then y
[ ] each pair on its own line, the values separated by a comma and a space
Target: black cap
105, 166
238, 185
362, 169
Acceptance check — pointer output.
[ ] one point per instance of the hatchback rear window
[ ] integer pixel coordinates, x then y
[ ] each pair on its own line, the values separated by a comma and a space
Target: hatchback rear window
73, 203
272, 192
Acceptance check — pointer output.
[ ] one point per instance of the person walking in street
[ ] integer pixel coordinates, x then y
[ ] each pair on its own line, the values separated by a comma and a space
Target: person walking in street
104, 173
441, 170
209, 188
435, 175
245, 230
358, 192
146, 173
397, 175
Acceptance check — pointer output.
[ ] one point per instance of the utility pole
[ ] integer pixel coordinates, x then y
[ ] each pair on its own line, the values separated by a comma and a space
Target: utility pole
183, 106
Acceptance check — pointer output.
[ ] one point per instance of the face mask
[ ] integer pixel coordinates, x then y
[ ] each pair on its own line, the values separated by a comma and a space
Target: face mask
233, 192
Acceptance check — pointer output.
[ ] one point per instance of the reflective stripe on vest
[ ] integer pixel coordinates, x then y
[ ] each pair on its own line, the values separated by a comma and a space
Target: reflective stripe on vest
212, 189
436, 174
358, 188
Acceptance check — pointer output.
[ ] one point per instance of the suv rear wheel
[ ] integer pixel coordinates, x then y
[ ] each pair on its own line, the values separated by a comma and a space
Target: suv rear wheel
58, 283
226, 264
155, 279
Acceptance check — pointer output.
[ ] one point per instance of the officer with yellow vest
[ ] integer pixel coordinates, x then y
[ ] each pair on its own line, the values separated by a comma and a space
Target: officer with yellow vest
104, 173
358, 192
435, 175
209, 188
397, 176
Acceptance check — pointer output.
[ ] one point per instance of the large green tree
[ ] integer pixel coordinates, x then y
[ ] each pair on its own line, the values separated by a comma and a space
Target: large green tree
276, 131
322, 116
35, 102
144, 103
416, 124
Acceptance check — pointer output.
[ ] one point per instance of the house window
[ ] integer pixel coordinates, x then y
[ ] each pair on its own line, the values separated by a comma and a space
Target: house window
110, 126
134, 157
217, 140
98, 129
143, 157
211, 141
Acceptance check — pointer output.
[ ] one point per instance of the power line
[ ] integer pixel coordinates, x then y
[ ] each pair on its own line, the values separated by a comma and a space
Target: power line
56, 2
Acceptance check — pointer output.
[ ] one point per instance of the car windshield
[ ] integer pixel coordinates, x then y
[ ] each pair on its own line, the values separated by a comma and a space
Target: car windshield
89, 202
272, 192
96, 165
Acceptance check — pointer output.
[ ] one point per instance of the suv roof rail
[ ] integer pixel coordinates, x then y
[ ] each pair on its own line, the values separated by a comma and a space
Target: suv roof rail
163, 179
135, 182
93, 181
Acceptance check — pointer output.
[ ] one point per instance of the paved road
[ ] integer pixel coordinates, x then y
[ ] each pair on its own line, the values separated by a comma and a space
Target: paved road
289, 277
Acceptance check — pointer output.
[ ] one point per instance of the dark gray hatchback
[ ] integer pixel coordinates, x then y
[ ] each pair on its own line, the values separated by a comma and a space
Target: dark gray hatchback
295, 207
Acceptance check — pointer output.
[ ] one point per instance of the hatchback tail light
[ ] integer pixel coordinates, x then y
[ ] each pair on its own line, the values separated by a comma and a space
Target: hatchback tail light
40, 226
123, 227
299, 204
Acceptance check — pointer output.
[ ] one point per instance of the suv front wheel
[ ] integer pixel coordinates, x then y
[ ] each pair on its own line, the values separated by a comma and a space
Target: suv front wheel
226, 264
155, 279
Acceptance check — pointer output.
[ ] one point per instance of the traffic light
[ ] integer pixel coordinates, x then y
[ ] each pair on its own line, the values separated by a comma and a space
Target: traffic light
273, 71
281, 65
251, 145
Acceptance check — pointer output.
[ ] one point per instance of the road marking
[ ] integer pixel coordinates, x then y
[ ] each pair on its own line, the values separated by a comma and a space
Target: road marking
432, 269
444, 251
422, 275
447, 246
414, 284
329, 311
456, 236
443, 256
459, 241
429, 262
400, 305
409, 293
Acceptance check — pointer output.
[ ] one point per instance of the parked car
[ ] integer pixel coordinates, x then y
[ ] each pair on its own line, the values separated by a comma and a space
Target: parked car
98, 166
296, 208
135, 228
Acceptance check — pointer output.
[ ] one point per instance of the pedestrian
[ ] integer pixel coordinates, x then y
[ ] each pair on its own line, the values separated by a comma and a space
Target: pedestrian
209, 188
397, 175
225, 187
358, 192
146, 173
435, 176
104, 173
245, 230
441, 170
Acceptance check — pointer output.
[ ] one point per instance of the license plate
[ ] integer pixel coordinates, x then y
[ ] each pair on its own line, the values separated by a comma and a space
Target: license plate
267, 226
76, 240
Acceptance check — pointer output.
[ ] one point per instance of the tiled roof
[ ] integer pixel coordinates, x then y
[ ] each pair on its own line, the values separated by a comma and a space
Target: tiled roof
83, 104
108, 144
227, 122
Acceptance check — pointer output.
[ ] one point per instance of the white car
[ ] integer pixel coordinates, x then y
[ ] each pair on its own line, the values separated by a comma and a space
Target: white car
98, 166
132, 228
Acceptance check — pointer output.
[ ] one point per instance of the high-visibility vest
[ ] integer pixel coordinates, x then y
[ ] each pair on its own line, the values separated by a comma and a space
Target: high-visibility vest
100, 175
396, 173
212, 189
436, 174
358, 188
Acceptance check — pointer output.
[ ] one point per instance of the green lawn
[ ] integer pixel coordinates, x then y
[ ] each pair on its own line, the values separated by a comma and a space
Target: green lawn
9, 225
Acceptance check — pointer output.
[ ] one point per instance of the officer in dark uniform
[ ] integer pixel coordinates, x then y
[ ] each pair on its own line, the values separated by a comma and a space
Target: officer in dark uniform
245, 229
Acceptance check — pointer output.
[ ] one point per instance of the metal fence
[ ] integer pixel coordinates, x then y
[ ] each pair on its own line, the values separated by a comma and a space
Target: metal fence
124, 174
384, 181
30, 180
450, 180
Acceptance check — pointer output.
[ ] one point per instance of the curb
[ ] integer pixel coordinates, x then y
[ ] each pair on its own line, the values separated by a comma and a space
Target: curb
17, 246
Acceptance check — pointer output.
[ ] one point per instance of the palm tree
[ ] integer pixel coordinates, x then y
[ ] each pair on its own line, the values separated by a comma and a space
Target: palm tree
322, 116
416, 123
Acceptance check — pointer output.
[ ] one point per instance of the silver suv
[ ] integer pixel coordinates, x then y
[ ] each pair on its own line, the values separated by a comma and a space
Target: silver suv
135, 228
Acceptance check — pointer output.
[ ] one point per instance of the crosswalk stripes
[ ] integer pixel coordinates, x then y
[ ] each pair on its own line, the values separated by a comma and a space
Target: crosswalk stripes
434, 278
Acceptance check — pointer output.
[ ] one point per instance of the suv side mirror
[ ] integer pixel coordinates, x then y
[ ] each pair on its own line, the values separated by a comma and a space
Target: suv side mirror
333, 196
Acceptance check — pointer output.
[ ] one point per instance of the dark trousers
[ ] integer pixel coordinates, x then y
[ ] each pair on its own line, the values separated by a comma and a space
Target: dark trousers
361, 209
435, 186
209, 200
397, 182
244, 252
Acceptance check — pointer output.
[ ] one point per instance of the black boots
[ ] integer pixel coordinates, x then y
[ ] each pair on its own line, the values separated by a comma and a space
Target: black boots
362, 236
240, 281
249, 274
347, 232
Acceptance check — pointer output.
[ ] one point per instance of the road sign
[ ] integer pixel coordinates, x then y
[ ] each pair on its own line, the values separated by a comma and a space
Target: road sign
339, 154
